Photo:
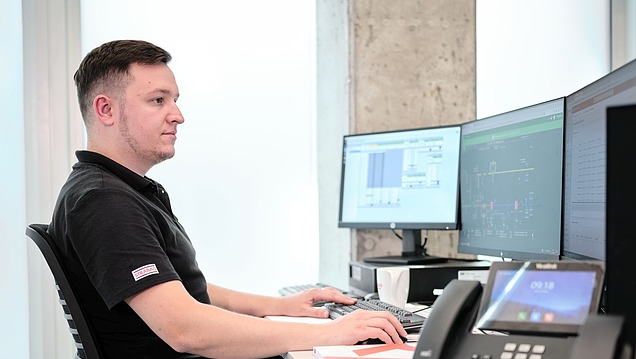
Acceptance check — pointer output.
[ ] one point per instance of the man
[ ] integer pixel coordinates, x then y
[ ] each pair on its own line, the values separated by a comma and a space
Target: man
132, 261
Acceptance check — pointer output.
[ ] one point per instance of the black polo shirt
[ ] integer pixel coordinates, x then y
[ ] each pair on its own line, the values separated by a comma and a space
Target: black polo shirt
118, 236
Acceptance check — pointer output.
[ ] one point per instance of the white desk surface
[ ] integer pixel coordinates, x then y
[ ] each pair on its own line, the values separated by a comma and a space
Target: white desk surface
422, 310
306, 354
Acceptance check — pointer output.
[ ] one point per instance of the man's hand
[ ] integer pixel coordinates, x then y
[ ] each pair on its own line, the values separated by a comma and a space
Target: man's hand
361, 325
302, 304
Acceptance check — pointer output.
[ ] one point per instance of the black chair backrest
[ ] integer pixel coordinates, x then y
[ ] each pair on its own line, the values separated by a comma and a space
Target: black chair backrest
81, 330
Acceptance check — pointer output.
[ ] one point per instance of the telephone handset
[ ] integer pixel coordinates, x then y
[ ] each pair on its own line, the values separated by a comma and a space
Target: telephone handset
534, 309
452, 312
600, 337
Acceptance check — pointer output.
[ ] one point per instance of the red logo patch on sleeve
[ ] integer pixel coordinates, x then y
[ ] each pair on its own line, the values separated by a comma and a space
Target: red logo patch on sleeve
144, 271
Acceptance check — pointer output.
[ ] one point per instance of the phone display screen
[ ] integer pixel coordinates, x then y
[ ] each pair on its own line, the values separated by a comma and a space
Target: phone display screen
540, 297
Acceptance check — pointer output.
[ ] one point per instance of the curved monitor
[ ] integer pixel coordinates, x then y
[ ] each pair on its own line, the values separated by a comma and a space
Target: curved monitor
511, 178
585, 161
406, 179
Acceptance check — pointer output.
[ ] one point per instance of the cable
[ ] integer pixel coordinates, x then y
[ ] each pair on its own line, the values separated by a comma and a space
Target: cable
421, 309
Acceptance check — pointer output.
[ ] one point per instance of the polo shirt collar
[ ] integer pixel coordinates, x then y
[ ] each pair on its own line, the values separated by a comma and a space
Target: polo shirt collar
133, 179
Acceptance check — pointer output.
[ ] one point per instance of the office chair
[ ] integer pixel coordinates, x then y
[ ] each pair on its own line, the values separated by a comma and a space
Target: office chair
81, 330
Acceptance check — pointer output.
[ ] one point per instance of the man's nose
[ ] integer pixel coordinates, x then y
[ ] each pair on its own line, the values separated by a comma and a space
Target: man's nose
176, 115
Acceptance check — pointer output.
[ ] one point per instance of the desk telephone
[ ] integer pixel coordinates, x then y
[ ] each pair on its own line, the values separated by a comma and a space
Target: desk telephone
531, 310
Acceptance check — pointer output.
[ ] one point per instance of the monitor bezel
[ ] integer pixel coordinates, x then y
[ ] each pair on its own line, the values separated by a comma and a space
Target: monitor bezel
507, 253
609, 77
392, 225
497, 324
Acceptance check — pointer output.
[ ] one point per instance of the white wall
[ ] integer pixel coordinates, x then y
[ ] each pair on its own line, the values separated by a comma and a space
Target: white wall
13, 259
623, 31
232, 91
243, 181
533, 51
332, 113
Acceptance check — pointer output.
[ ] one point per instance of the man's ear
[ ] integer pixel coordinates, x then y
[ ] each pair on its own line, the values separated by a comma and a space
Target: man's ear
103, 107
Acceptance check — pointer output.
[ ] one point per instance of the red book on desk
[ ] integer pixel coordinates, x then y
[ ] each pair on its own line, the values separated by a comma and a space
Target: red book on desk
377, 351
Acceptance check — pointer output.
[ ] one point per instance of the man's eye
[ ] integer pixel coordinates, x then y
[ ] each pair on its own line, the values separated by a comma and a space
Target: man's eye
158, 100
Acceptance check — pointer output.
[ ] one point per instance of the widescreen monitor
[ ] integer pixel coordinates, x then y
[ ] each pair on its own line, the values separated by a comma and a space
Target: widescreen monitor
511, 177
401, 180
585, 161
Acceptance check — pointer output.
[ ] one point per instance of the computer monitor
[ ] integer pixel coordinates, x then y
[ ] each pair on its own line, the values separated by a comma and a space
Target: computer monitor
585, 161
401, 180
511, 177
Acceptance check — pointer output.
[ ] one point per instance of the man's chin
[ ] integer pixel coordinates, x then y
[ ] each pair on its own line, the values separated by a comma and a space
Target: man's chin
165, 156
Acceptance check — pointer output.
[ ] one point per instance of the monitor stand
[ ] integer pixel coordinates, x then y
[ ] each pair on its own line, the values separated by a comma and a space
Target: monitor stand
412, 251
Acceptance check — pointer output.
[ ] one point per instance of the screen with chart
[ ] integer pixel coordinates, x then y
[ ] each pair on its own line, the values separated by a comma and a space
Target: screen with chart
405, 179
511, 177
401, 179
584, 171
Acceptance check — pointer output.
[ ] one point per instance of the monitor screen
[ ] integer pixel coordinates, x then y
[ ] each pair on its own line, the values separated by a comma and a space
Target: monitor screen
511, 177
405, 179
540, 297
584, 171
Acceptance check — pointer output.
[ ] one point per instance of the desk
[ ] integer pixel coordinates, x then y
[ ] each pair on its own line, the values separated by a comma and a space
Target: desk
305, 354
422, 310
396, 352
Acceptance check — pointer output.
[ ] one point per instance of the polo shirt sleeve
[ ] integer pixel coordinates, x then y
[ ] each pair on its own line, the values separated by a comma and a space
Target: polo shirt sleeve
119, 243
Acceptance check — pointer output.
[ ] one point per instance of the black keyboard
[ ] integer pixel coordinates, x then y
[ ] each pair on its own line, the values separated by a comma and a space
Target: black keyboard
410, 321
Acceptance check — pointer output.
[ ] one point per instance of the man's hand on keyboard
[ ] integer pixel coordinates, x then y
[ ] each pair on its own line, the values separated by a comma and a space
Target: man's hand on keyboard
302, 304
362, 325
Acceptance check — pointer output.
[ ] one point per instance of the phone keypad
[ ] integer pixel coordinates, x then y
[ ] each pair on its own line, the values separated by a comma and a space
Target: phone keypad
522, 351
516, 351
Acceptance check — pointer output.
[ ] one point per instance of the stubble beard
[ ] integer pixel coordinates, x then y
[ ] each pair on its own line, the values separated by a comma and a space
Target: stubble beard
154, 156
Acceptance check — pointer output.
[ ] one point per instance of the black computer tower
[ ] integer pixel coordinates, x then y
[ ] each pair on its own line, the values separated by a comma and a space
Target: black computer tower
620, 253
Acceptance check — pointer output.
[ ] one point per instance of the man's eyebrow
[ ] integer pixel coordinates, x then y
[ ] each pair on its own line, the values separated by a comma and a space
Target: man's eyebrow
165, 92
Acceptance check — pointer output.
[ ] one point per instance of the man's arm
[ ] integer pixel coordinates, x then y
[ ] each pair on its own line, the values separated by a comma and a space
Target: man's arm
207, 330
300, 304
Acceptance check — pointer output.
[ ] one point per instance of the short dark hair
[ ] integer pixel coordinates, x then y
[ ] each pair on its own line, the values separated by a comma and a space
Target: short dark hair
107, 67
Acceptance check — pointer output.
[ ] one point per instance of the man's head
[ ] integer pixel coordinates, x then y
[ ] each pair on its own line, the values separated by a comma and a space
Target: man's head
128, 96
106, 69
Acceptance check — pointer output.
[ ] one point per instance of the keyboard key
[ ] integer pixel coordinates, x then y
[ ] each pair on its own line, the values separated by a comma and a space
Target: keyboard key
407, 319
